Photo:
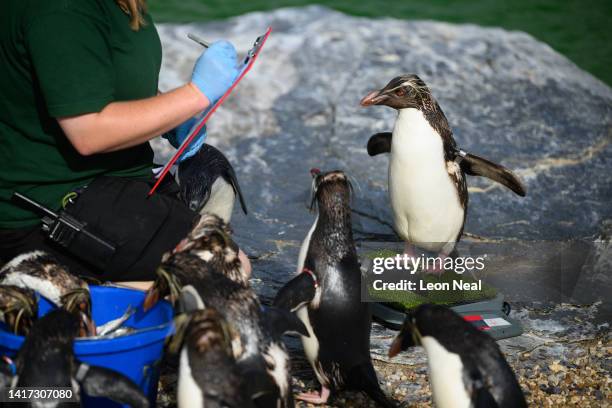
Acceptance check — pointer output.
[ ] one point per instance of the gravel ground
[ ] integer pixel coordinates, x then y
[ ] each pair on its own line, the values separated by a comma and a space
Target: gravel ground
564, 362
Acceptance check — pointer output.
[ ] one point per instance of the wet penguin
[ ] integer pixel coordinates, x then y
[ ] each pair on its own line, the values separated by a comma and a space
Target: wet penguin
327, 296
40, 271
208, 374
204, 271
46, 359
209, 184
427, 183
466, 366
18, 308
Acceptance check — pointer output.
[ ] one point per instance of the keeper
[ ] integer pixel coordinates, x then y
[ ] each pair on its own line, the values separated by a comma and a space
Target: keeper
79, 104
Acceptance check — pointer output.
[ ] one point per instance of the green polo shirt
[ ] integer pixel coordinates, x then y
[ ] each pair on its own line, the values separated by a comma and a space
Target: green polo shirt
63, 58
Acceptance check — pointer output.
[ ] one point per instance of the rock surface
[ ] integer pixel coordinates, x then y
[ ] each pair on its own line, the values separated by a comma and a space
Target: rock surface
507, 96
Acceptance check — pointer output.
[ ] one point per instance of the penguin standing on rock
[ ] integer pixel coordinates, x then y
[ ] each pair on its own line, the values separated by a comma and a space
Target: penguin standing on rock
209, 184
427, 183
208, 374
327, 296
466, 367
46, 360
40, 271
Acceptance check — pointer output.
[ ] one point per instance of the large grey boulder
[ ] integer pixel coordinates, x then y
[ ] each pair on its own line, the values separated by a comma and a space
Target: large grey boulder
508, 97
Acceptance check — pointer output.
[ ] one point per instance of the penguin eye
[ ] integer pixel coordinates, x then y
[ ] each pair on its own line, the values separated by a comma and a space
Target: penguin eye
400, 92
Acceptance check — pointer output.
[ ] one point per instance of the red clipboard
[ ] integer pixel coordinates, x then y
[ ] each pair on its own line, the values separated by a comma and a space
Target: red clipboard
249, 60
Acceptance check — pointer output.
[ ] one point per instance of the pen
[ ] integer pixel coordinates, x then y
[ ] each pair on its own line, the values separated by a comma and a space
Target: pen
198, 40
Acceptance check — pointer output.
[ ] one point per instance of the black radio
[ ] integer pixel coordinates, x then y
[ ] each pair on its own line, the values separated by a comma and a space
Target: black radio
72, 234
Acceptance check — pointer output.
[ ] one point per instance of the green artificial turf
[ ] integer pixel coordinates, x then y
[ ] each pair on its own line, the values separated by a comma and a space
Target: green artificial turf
578, 29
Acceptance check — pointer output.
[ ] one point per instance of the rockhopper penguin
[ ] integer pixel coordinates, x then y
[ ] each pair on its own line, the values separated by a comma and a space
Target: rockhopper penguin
466, 367
208, 183
427, 183
46, 359
204, 271
327, 296
18, 308
40, 271
208, 374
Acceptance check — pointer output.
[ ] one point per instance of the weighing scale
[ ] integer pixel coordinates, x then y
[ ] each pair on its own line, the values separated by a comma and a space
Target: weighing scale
490, 316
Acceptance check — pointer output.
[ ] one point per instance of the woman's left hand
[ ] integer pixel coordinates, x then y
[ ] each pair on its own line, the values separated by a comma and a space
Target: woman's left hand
177, 135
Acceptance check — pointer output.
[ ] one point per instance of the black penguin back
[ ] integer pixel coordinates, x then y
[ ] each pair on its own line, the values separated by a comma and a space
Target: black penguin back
46, 356
480, 355
212, 364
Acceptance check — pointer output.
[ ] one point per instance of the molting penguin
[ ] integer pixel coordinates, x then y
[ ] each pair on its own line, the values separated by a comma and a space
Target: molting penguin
427, 184
466, 367
204, 271
46, 359
18, 308
327, 296
41, 272
208, 183
208, 374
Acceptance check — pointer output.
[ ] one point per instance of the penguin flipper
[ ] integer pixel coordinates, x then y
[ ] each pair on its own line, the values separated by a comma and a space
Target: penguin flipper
282, 321
478, 166
363, 378
102, 382
234, 182
484, 399
297, 292
379, 143
189, 300
480, 394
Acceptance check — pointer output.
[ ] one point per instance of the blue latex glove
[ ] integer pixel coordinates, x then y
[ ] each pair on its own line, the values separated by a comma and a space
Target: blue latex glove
215, 71
177, 135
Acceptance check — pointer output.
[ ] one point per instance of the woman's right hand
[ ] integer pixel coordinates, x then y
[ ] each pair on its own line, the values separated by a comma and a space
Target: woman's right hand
215, 71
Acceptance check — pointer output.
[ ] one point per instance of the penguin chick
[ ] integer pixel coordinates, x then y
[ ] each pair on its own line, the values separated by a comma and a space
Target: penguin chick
327, 296
46, 359
18, 307
208, 374
427, 184
40, 271
466, 366
208, 183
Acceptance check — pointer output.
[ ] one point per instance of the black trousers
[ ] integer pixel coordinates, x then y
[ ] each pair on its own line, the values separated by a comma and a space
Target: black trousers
142, 228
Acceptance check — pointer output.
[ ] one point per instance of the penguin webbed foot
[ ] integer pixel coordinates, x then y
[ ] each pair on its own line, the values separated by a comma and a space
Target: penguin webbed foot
437, 268
316, 398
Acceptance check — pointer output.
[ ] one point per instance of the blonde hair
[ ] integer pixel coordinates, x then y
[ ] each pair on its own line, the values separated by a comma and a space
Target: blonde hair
135, 9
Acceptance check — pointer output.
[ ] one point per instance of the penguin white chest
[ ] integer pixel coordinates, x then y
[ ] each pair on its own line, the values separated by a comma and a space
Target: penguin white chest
424, 199
189, 394
221, 201
445, 376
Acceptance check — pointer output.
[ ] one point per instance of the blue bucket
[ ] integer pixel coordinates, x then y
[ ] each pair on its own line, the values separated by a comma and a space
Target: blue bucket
136, 355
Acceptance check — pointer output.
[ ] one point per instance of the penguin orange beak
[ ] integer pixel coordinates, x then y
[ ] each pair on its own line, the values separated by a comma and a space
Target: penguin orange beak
151, 298
88, 327
373, 98
396, 346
